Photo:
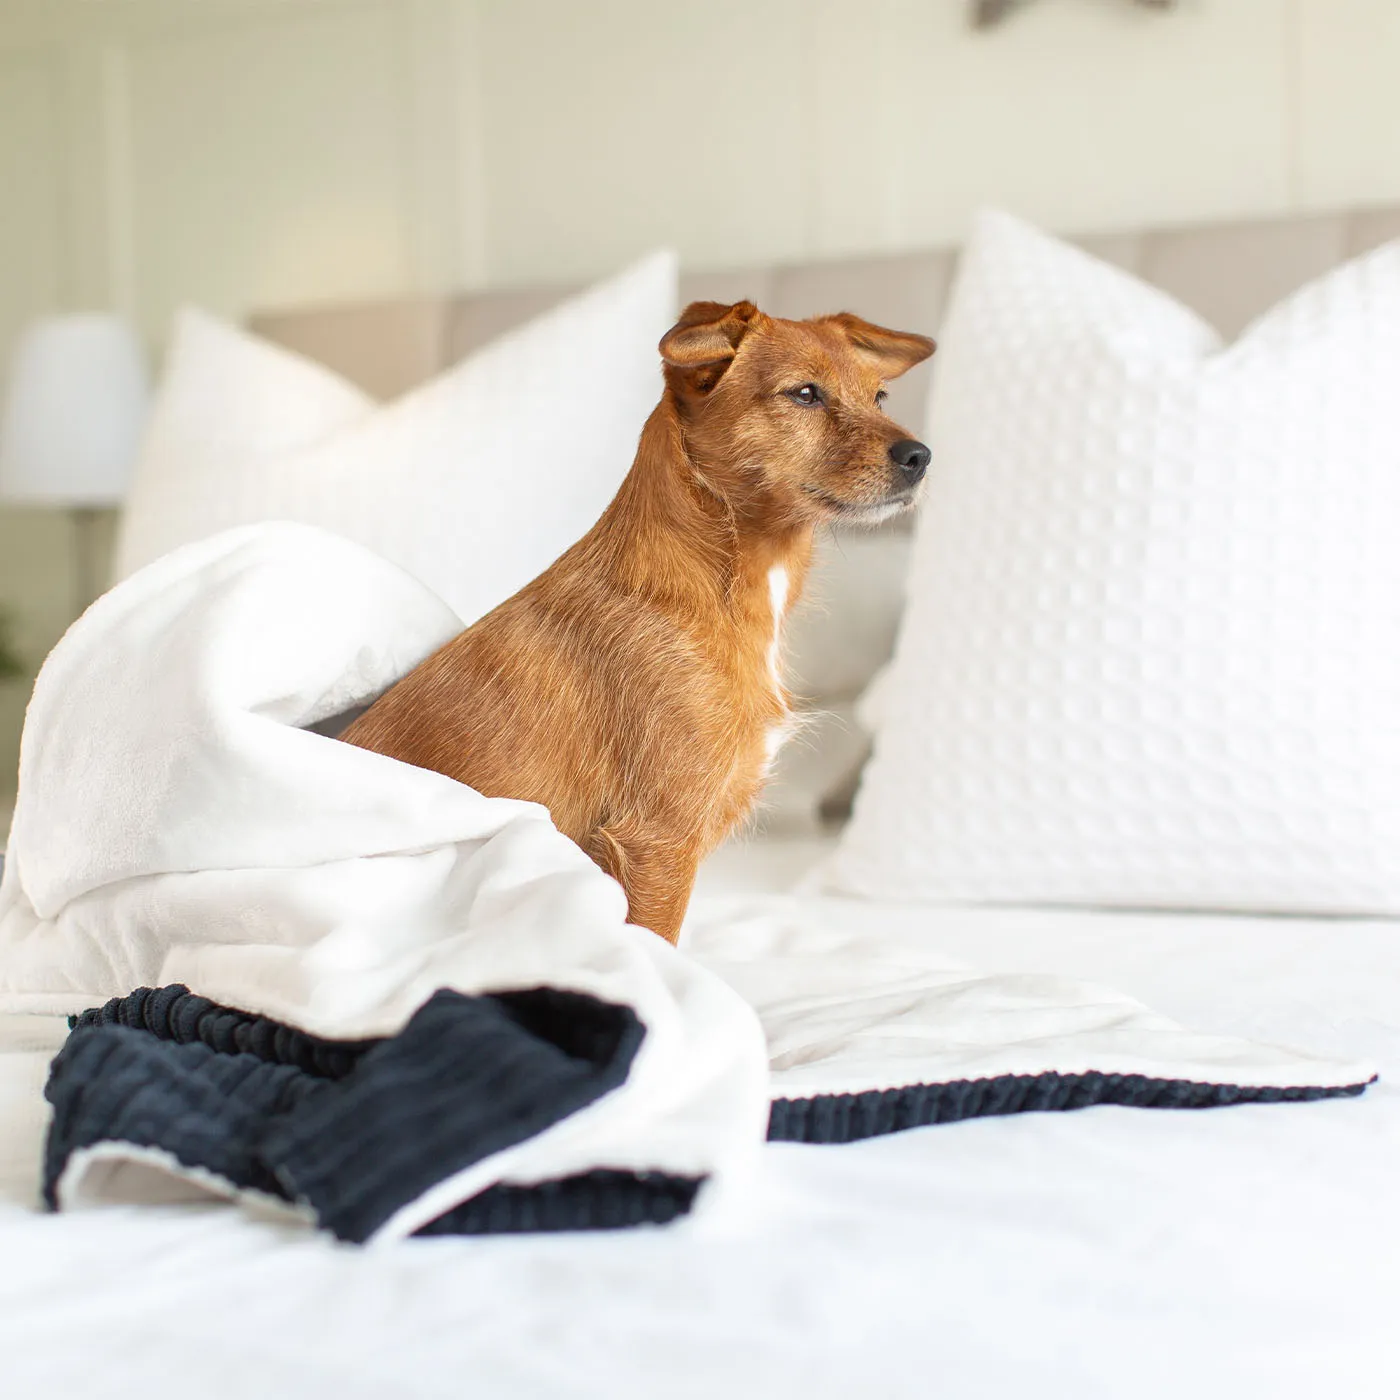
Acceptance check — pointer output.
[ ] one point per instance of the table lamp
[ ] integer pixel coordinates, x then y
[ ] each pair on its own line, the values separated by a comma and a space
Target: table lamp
72, 423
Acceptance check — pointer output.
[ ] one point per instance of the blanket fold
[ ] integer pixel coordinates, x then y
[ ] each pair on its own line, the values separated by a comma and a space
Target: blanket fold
354, 1133
389, 1005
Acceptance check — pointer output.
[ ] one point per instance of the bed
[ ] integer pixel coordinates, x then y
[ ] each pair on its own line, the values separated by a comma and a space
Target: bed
1110, 1252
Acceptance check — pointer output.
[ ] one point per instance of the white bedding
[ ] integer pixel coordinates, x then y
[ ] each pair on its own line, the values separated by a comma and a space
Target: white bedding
1109, 1252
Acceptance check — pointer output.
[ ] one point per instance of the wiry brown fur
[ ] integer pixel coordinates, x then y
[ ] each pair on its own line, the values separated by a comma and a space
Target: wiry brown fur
630, 687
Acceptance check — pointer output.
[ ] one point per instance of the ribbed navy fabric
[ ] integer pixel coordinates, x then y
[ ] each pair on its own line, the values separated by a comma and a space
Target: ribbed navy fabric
358, 1130
175, 1013
836, 1118
206, 1109
596, 1200
449, 1090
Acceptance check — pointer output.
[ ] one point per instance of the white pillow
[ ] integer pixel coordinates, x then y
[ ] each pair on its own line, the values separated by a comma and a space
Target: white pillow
475, 482
1152, 648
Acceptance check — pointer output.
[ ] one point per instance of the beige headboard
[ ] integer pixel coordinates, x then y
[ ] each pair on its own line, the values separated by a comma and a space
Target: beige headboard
1227, 272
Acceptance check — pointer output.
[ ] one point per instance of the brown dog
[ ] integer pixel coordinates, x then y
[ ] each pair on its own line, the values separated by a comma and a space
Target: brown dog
634, 688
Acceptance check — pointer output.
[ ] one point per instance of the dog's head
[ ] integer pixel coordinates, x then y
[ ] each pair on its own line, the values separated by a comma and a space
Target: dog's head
787, 416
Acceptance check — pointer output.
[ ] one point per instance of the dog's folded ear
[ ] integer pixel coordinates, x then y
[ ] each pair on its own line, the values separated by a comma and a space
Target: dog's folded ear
700, 346
893, 352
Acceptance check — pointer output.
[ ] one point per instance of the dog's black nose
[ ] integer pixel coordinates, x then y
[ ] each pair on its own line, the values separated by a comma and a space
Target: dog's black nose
911, 458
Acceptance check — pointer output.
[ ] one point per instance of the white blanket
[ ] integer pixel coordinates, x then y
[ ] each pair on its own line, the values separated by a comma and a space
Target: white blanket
178, 822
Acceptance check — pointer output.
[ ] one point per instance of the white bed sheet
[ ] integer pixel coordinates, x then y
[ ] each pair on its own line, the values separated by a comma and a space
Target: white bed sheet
1114, 1252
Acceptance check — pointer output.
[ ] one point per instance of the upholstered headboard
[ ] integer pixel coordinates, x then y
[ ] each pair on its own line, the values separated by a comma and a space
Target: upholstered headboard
1227, 272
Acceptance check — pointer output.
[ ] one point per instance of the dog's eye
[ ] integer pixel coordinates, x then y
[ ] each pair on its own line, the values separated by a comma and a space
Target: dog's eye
805, 394
880, 398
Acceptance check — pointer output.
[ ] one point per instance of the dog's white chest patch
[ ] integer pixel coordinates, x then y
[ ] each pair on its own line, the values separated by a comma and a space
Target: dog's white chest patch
777, 736
777, 596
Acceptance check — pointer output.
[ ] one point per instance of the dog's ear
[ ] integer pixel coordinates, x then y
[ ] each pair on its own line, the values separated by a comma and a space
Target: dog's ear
892, 352
700, 346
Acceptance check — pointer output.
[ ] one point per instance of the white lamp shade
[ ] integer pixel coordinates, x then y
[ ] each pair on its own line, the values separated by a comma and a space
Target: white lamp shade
74, 412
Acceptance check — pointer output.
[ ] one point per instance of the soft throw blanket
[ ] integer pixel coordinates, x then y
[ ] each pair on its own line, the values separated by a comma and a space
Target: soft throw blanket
393, 1005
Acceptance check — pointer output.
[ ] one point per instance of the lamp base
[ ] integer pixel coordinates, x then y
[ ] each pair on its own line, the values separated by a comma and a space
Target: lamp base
86, 585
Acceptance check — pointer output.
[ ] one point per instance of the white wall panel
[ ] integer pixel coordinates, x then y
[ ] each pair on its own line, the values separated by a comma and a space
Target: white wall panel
617, 125
1078, 114
260, 152
32, 232
862, 90
1348, 112
268, 160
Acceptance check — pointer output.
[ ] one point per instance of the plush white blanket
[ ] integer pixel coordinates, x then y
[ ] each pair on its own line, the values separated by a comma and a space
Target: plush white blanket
179, 822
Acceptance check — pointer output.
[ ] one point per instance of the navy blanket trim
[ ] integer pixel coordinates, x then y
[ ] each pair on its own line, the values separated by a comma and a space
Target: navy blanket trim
176, 1013
358, 1130
836, 1118
596, 1200
205, 1109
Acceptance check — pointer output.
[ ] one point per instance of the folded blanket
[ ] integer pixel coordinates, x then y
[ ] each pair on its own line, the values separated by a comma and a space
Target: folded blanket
391, 1005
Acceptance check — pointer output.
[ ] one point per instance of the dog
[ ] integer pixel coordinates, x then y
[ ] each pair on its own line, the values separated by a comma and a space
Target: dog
635, 688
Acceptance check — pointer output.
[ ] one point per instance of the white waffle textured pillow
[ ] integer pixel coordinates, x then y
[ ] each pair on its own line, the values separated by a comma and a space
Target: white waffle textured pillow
474, 482
1151, 654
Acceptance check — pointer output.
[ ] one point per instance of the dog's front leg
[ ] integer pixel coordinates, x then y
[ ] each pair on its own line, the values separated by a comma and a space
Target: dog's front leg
656, 875
660, 899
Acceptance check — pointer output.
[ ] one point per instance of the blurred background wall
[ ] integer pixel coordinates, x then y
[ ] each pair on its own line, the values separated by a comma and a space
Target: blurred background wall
250, 154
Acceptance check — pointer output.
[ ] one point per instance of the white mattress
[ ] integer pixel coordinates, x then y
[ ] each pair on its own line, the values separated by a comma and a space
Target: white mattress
1244, 1252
